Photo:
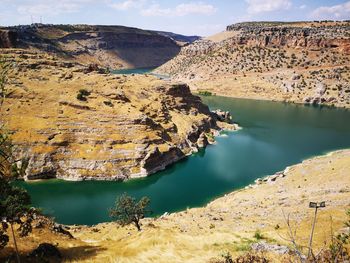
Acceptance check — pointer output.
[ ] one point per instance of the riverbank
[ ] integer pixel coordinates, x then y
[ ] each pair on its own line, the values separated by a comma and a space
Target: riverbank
228, 224
254, 87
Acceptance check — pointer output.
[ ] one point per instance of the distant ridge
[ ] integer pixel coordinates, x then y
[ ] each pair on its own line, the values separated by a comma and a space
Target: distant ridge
109, 46
179, 37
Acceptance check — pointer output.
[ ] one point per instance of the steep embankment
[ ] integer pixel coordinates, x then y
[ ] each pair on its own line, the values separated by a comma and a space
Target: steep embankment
297, 62
75, 123
227, 224
108, 46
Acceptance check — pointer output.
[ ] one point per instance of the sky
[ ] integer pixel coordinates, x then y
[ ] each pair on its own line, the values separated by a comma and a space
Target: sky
204, 17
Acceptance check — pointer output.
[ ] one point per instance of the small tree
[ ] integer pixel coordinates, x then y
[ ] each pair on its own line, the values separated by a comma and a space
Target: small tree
129, 211
14, 209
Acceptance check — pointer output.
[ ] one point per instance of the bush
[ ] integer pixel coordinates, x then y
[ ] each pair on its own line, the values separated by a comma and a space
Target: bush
205, 93
258, 235
82, 94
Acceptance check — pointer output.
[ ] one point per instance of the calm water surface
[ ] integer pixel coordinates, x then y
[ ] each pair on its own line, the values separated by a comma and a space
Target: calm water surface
139, 71
274, 136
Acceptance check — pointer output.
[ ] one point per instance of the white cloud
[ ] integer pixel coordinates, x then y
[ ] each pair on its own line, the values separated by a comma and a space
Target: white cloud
51, 7
335, 12
128, 4
180, 10
262, 6
302, 6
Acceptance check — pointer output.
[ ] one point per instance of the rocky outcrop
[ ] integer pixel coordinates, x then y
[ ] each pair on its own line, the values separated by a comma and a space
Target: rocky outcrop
223, 116
156, 160
126, 126
8, 38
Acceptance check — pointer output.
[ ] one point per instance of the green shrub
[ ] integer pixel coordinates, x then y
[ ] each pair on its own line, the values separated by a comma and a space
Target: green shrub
258, 235
205, 93
108, 103
82, 94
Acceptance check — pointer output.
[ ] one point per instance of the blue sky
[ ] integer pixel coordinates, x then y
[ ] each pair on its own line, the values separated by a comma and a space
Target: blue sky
203, 17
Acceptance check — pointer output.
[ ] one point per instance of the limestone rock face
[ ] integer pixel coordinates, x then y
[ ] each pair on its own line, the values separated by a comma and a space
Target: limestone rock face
123, 127
309, 36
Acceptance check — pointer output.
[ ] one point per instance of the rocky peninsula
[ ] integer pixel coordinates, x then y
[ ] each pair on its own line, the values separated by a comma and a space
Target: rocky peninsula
78, 122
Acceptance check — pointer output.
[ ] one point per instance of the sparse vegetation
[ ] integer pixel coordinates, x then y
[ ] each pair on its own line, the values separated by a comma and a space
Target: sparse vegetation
245, 258
258, 235
205, 93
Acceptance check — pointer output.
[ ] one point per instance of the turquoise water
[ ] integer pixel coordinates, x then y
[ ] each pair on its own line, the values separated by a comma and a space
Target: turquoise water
139, 71
132, 71
274, 135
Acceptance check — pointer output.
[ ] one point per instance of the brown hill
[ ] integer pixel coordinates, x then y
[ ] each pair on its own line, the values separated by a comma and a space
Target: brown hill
108, 46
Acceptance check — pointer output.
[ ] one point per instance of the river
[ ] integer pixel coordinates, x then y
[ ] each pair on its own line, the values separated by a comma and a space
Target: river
274, 135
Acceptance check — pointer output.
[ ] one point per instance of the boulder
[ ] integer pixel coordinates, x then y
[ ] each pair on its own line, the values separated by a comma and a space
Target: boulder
224, 116
264, 246
202, 141
320, 89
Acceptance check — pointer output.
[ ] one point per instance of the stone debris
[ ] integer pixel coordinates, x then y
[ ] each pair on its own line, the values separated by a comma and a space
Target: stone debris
263, 246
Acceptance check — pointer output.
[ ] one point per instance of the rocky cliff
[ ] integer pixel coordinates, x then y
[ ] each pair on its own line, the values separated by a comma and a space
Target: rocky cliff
109, 46
7, 38
75, 123
303, 62
314, 36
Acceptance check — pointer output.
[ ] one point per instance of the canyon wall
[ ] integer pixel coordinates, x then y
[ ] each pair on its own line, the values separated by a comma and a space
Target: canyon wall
108, 46
301, 62
294, 35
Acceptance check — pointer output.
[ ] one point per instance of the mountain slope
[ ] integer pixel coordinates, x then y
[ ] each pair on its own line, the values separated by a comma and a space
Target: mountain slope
303, 62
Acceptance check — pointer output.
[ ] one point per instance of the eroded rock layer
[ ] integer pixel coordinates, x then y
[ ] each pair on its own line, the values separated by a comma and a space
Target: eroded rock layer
74, 123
